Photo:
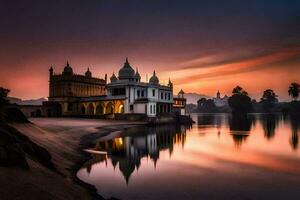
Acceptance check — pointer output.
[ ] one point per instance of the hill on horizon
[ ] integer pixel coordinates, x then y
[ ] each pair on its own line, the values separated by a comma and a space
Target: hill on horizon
193, 97
34, 102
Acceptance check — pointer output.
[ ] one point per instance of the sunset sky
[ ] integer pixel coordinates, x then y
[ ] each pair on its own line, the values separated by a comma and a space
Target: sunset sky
203, 46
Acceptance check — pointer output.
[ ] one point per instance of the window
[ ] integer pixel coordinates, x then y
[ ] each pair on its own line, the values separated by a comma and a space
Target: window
131, 107
138, 93
169, 96
165, 95
142, 93
118, 91
150, 108
153, 92
161, 95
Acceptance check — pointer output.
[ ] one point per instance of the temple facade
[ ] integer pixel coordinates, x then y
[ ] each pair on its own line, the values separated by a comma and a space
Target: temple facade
72, 94
139, 97
220, 101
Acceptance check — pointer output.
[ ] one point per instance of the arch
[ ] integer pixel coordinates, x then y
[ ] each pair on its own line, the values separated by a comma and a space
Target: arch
82, 109
121, 108
109, 108
99, 109
90, 109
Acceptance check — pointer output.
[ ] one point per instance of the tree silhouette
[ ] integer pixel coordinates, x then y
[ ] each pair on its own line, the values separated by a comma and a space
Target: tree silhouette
206, 105
268, 100
239, 90
240, 102
294, 90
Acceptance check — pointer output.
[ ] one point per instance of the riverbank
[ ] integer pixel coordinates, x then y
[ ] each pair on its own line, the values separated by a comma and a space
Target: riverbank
64, 139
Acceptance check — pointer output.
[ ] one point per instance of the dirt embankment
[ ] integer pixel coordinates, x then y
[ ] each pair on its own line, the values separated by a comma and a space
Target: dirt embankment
42, 157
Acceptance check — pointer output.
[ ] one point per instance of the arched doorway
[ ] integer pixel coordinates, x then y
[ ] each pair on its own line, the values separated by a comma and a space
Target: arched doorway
109, 108
121, 109
91, 109
99, 109
82, 109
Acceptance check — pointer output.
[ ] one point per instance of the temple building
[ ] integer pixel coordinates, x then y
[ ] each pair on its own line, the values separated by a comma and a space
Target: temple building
220, 101
72, 94
140, 97
67, 87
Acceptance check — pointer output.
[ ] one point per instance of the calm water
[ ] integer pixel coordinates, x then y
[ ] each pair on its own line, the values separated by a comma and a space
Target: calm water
220, 157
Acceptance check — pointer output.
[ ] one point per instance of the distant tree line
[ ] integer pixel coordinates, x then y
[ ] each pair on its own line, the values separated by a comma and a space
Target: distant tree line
240, 102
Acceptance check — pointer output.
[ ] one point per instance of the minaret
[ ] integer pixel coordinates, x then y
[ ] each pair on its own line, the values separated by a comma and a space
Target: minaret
170, 83
51, 71
218, 95
105, 78
50, 82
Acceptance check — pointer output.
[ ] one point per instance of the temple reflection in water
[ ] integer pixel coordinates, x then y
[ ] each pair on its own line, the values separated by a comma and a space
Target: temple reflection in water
148, 163
138, 143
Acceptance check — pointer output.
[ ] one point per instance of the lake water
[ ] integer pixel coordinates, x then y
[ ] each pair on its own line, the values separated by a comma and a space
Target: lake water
219, 157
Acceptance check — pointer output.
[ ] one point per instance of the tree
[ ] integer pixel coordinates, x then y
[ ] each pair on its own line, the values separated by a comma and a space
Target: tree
294, 90
240, 102
239, 90
268, 100
206, 105
3, 102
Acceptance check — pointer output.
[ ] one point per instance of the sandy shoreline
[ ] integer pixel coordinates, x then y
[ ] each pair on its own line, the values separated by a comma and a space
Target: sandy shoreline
65, 138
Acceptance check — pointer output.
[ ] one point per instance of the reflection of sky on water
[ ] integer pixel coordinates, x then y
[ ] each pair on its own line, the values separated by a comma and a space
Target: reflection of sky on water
259, 157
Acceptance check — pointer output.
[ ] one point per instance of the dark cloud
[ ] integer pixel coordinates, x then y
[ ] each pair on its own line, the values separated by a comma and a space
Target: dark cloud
168, 32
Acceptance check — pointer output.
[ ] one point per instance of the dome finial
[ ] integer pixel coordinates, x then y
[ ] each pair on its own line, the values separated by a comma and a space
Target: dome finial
126, 72
154, 79
88, 73
68, 69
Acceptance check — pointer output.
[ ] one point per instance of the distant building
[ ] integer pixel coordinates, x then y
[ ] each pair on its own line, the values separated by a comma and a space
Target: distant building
180, 103
73, 94
220, 101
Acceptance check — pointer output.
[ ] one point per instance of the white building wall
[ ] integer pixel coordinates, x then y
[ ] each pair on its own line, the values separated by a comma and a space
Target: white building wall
150, 93
151, 109
140, 108
165, 97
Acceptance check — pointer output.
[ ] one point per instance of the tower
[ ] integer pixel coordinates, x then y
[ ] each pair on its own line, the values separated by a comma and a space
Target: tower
218, 95
51, 71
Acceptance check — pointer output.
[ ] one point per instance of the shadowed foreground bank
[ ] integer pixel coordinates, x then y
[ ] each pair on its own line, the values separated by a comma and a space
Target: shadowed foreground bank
44, 155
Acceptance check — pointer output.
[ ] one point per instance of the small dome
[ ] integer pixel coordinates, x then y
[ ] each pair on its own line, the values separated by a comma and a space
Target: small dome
113, 78
154, 79
126, 71
181, 92
88, 73
68, 69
